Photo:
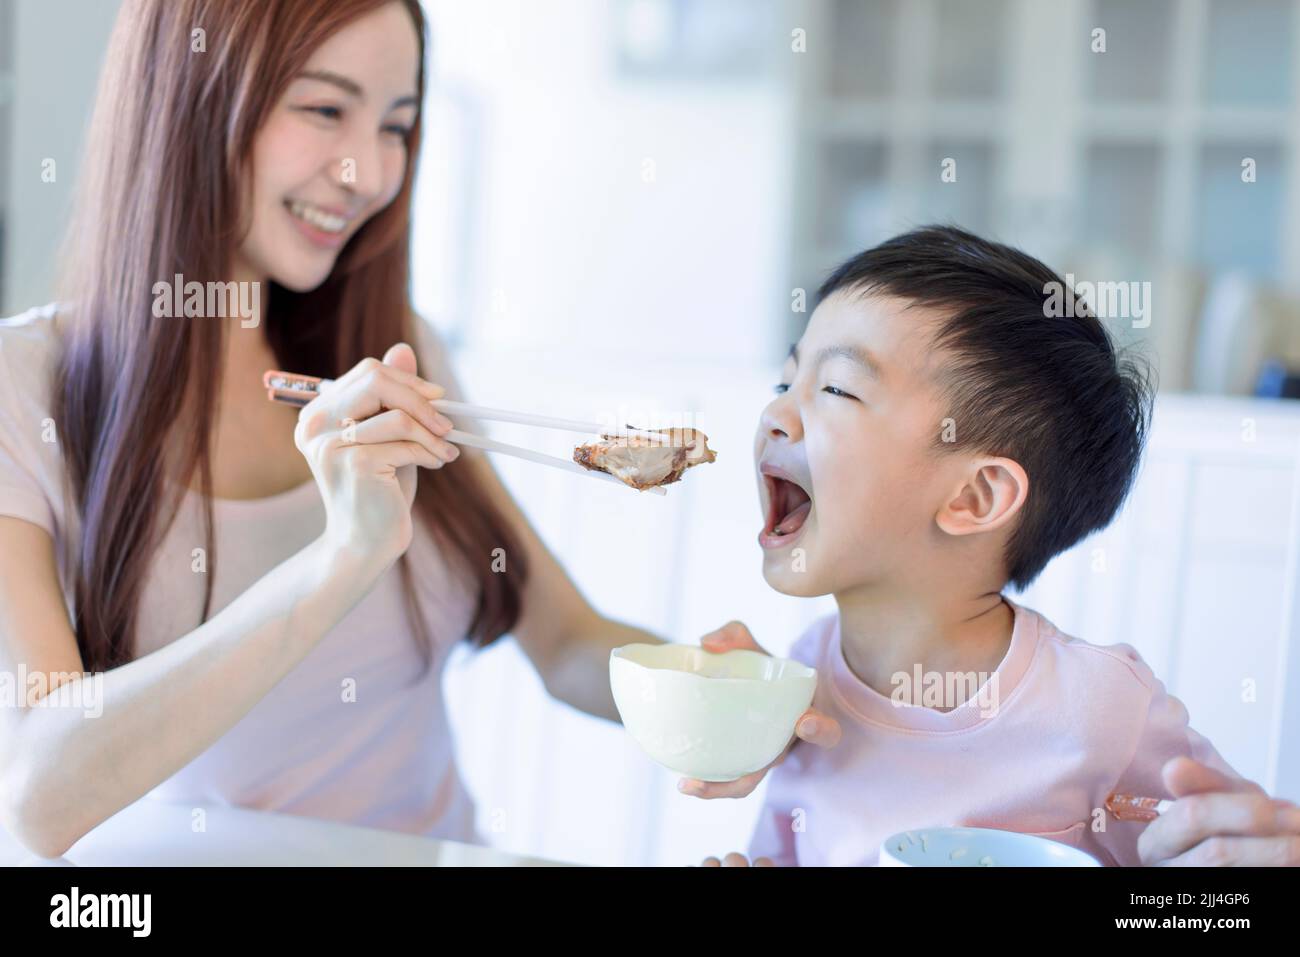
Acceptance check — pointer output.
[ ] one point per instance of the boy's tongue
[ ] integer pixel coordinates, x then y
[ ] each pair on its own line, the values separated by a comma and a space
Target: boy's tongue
794, 520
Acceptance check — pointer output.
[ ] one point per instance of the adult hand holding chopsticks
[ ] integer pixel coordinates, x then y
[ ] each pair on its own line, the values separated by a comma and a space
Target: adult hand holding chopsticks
661, 457
363, 437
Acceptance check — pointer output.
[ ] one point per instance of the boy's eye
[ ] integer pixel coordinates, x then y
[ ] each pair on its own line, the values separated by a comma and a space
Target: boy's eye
834, 391
781, 388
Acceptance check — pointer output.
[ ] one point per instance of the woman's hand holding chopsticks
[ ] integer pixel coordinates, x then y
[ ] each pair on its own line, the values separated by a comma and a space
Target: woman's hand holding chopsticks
363, 437
666, 452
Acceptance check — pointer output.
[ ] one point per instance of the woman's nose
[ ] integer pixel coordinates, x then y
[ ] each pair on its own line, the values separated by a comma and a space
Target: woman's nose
360, 170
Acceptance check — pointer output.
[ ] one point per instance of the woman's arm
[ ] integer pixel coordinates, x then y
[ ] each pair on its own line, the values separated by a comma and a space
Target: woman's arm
566, 639
61, 772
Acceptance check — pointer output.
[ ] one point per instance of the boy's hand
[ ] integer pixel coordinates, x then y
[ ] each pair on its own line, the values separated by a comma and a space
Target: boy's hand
1218, 821
737, 860
813, 726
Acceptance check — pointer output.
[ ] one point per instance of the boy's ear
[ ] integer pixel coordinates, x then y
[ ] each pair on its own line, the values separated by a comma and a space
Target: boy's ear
991, 496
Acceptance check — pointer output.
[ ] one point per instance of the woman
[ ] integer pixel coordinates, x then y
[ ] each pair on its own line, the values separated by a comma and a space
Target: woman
269, 594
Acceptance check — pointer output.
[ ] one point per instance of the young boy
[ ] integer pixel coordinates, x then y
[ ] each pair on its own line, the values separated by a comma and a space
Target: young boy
938, 432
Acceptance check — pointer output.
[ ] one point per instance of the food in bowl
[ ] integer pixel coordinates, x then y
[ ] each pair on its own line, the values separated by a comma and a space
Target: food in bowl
711, 716
978, 847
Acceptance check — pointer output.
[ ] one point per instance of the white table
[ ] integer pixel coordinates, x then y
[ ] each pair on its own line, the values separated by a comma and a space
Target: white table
152, 833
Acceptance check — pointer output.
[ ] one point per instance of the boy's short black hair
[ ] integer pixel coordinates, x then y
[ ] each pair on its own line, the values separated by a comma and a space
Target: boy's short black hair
1044, 387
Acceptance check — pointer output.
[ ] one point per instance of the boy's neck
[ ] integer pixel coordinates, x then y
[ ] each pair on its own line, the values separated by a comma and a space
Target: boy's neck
887, 632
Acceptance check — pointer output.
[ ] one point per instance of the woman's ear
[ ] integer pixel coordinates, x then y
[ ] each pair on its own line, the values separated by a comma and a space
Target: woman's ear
989, 498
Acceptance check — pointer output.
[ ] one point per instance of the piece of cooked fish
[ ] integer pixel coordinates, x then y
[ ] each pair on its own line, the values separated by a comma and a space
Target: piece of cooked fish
642, 463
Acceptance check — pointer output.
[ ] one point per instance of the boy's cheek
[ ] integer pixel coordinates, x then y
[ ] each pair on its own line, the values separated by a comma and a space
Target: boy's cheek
852, 532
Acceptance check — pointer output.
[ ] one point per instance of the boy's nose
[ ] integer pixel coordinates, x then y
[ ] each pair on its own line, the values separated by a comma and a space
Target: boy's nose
781, 420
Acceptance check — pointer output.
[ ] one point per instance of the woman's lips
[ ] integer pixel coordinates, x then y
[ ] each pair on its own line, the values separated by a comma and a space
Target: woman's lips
317, 237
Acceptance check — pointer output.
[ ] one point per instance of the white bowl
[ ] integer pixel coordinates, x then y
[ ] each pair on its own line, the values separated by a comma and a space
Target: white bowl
977, 847
716, 717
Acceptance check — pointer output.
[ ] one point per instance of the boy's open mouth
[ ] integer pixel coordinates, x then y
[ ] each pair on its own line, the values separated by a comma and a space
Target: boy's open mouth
788, 505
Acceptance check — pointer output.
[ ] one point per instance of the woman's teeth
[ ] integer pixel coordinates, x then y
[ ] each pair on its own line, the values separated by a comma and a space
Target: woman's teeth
315, 216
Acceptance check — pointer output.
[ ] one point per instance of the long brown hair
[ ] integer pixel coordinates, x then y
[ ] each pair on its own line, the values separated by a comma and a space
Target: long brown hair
160, 194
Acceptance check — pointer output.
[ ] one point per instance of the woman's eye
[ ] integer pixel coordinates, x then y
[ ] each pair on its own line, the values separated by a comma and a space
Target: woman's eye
398, 130
781, 388
834, 391
329, 112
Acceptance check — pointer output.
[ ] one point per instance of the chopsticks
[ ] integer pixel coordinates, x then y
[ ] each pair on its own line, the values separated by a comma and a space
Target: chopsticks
452, 407
1136, 807
295, 389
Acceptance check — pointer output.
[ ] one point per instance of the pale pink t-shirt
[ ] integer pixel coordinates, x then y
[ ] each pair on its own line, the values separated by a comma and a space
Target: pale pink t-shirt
384, 759
1073, 722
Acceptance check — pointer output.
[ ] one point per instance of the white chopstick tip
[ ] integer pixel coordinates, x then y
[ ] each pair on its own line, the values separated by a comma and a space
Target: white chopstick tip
455, 407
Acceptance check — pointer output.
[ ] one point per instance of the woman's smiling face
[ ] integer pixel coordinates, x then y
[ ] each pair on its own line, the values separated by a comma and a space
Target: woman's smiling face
848, 481
333, 151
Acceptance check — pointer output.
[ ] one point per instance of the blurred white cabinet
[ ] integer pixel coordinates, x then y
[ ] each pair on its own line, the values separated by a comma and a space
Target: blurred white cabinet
1199, 574
1105, 136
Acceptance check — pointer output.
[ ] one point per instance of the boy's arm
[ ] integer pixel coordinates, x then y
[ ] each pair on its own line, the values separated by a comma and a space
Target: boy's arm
1166, 734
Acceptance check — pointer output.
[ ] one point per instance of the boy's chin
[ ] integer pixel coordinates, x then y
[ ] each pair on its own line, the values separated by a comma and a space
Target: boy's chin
780, 573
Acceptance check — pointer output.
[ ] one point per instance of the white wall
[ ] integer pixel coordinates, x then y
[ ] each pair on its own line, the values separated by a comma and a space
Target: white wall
572, 252
58, 46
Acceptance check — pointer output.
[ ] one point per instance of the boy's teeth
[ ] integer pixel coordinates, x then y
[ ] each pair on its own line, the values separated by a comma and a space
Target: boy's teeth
317, 217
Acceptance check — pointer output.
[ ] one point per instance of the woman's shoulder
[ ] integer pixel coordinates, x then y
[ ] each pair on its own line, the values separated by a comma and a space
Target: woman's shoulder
29, 339
38, 320
29, 345
30, 459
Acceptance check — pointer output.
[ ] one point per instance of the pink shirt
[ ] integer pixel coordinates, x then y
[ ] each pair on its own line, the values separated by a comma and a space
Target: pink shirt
1074, 722
382, 760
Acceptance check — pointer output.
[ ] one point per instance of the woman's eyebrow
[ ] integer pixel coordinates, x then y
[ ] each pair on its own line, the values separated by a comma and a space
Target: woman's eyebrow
857, 354
352, 87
